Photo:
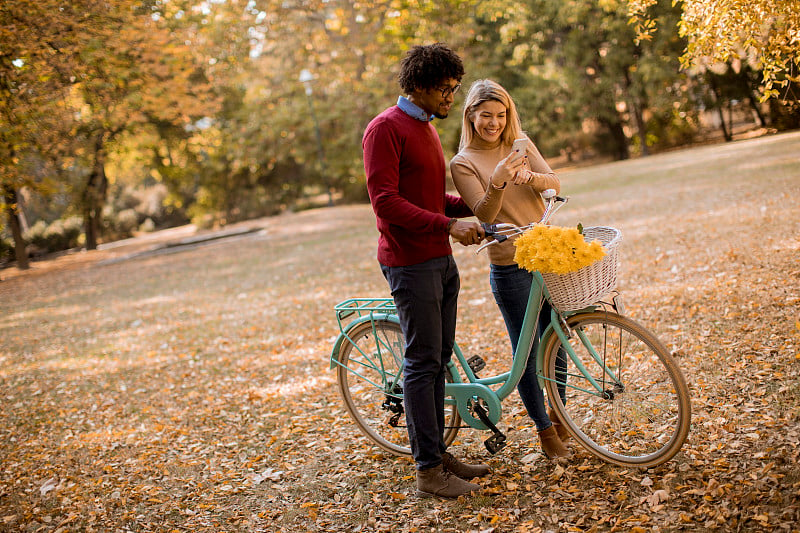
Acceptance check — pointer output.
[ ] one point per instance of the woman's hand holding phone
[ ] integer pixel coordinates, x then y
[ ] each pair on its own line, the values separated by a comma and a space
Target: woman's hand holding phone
514, 167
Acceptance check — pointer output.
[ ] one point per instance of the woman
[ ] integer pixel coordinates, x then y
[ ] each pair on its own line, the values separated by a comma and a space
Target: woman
504, 186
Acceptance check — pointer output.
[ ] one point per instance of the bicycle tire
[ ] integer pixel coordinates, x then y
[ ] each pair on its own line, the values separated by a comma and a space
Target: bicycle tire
370, 361
642, 419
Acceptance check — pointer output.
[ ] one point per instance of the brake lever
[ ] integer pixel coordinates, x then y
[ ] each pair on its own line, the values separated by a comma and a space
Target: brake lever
491, 232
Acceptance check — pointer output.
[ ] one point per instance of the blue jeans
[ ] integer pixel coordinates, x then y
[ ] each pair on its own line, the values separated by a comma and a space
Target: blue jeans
511, 286
426, 295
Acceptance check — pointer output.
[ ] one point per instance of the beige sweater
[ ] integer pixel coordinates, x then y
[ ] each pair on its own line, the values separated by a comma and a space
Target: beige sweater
472, 169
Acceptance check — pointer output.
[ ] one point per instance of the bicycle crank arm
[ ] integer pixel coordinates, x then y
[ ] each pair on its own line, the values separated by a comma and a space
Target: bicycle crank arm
497, 441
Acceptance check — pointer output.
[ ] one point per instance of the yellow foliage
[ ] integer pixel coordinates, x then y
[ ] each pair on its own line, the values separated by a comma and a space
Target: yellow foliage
760, 32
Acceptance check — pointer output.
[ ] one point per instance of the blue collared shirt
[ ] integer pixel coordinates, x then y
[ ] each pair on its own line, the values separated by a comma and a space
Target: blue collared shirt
413, 110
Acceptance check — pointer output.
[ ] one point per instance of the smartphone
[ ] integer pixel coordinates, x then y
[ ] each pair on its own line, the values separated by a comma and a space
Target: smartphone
520, 145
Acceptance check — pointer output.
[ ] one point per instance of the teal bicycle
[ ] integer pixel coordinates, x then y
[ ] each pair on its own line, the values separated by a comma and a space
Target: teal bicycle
614, 385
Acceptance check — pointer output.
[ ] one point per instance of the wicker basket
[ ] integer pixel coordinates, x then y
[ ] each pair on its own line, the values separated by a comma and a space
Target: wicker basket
576, 290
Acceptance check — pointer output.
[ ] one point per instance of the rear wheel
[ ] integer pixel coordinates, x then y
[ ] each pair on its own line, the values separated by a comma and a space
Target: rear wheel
631, 405
370, 376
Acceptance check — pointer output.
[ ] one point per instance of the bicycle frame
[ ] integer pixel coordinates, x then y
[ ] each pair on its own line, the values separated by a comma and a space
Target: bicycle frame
508, 380
463, 392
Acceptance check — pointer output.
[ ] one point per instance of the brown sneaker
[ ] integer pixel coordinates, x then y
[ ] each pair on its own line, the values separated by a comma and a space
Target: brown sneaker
438, 482
464, 471
552, 446
563, 434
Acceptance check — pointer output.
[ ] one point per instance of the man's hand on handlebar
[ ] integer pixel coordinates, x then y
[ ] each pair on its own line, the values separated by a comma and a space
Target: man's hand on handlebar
467, 233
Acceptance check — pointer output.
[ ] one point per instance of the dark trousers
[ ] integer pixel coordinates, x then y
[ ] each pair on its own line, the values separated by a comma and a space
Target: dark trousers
426, 297
511, 286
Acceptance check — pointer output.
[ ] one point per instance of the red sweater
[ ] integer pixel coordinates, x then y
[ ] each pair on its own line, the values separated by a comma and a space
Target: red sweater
405, 170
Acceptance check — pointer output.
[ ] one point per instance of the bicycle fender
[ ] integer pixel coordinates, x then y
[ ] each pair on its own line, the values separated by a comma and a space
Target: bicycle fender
344, 337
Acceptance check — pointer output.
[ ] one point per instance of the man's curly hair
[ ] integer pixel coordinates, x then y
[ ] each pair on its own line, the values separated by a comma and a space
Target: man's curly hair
426, 67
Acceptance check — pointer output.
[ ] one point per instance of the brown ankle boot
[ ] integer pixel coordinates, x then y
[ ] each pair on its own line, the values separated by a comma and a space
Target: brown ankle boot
563, 434
437, 481
464, 471
552, 446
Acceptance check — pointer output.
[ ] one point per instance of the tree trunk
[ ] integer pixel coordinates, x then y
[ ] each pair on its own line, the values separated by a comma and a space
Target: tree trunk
730, 117
641, 129
637, 100
620, 150
748, 88
12, 208
94, 196
725, 133
757, 110
720, 110
621, 140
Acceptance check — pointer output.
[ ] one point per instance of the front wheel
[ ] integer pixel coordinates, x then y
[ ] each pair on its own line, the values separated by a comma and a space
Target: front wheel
623, 397
370, 376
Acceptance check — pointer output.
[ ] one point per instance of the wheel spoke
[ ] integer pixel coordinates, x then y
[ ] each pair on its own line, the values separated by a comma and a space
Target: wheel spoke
370, 376
640, 415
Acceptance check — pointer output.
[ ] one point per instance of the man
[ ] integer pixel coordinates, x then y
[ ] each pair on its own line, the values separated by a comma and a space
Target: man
405, 169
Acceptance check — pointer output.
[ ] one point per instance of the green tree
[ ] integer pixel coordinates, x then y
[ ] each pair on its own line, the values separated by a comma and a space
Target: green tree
577, 64
351, 50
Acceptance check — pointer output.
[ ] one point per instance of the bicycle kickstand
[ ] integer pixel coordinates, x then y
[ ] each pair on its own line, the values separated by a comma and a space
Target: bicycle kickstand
497, 441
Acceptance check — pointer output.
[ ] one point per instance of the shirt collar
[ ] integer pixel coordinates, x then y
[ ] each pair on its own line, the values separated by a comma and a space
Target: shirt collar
413, 110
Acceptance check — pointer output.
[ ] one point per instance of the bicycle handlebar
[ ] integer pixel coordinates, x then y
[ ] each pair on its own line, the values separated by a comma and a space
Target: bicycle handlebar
501, 232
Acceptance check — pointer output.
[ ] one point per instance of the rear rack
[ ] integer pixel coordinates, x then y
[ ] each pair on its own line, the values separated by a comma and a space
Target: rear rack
361, 307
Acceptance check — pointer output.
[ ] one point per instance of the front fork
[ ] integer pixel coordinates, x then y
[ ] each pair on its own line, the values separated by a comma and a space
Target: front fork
559, 326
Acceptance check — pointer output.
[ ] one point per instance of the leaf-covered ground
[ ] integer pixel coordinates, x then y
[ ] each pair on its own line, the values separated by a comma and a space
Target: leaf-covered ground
188, 388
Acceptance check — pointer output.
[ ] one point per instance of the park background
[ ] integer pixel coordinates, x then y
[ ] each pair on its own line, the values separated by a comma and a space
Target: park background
179, 380
118, 118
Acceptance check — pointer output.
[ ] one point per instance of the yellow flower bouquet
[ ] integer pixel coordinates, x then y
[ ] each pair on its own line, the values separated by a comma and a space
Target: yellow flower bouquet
578, 265
556, 250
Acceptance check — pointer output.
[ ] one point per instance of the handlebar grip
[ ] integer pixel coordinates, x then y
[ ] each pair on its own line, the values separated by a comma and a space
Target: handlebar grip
548, 193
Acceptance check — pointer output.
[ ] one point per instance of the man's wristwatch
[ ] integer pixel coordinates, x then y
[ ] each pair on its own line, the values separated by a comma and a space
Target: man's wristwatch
450, 224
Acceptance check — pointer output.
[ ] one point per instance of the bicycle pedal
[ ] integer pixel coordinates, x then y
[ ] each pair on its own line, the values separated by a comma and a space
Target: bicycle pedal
394, 421
476, 363
495, 443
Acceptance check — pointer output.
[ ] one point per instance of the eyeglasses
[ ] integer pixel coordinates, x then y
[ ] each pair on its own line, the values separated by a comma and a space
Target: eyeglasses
447, 91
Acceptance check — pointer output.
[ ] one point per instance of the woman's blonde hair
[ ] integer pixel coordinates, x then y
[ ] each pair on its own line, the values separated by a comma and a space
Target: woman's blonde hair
483, 91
